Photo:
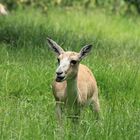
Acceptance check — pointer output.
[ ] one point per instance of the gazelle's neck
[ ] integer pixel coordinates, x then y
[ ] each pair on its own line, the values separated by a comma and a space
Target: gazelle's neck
71, 92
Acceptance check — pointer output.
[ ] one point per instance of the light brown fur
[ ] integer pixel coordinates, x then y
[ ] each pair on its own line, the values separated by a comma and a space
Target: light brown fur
75, 85
87, 92
87, 86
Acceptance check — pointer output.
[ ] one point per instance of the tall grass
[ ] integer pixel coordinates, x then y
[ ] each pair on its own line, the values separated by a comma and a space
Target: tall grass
27, 68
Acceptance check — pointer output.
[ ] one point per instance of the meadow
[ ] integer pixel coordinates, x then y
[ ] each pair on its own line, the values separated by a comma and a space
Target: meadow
27, 68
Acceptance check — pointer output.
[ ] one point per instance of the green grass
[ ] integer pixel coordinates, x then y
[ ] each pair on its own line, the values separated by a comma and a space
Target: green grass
27, 69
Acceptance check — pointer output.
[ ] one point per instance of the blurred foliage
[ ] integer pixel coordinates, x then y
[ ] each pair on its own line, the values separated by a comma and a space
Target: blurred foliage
116, 6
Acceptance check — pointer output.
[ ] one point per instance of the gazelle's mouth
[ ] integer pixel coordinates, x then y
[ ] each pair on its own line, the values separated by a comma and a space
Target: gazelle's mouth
60, 78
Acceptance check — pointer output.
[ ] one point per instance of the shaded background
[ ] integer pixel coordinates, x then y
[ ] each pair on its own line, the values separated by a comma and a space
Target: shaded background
115, 6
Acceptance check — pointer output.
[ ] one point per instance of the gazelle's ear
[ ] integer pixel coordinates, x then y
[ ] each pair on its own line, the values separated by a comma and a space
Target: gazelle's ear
54, 46
84, 51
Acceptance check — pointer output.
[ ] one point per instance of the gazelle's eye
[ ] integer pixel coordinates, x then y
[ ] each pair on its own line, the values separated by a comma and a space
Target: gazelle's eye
73, 62
58, 60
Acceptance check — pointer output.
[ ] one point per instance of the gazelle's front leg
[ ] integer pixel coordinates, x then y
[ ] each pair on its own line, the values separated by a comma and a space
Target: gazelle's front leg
58, 110
60, 127
76, 113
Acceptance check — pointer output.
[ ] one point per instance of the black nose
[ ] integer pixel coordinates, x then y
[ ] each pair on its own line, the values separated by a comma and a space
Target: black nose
59, 73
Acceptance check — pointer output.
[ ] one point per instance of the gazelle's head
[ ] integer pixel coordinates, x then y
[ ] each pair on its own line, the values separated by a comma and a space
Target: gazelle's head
68, 62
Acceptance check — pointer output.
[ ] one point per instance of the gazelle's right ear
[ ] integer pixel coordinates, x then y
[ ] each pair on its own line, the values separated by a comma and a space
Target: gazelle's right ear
55, 47
85, 51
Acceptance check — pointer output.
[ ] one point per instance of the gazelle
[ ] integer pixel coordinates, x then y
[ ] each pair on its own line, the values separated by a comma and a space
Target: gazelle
74, 85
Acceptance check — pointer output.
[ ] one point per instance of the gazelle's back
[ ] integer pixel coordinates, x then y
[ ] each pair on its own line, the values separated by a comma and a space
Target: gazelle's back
86, 84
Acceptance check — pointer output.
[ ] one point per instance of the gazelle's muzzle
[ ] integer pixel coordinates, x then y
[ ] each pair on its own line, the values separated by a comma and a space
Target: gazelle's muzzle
60, 79
60, 76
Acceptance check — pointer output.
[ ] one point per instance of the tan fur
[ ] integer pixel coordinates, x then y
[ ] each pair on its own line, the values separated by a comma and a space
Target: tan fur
74, 85
86, 88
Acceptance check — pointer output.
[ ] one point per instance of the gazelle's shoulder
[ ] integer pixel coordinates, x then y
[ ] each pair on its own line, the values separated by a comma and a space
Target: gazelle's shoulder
84, 67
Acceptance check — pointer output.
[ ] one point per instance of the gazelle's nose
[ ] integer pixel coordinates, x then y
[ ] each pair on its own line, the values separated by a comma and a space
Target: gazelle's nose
59, 73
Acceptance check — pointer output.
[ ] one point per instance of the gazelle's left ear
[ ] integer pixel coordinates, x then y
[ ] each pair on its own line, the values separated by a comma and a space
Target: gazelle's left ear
55, 47
84, 51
